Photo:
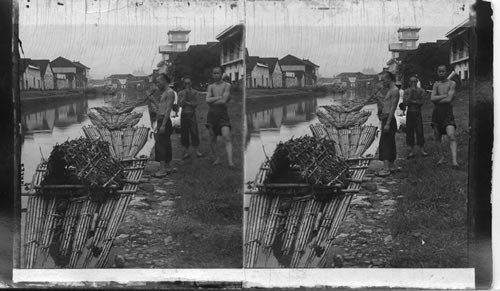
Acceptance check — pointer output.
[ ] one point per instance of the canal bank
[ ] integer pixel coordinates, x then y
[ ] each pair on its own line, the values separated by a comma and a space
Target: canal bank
65, 94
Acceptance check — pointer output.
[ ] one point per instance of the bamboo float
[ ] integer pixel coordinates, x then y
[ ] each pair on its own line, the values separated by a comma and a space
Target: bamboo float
48, 228
271, 225
82, 228
311, 209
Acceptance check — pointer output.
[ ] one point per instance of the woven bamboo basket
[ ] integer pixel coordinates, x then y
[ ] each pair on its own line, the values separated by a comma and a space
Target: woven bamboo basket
110, 118
68, 224
125, 143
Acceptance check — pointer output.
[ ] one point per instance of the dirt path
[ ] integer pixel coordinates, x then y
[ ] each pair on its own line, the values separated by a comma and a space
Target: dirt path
364, 239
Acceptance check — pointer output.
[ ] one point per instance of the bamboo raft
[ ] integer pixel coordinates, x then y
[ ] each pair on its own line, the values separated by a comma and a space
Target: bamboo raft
76, 224
299, 223
123, 144
74, 229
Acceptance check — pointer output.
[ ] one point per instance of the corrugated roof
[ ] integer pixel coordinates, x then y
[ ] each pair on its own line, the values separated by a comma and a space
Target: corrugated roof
120, 76
42, 64
23, 64
253, 61
466, 24
78, 64
61, 62
291, 60
350, 75
230, 31
271, 63
307, 61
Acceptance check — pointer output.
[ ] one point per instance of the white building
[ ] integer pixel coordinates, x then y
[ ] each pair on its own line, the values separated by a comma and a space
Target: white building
408, 38
232, 58
30, 77
257, 73
178, 40
275, 72
459, 38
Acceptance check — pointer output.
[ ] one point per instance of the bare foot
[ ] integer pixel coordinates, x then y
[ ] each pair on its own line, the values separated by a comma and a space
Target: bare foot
216, 162
440, 162
231, 166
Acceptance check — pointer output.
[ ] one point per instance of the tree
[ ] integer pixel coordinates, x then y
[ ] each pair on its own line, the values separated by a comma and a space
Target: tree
197, 63
424, 62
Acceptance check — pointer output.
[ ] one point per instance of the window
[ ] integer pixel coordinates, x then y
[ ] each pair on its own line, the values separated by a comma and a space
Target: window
466, 75
262, 80
27, 85
255, 82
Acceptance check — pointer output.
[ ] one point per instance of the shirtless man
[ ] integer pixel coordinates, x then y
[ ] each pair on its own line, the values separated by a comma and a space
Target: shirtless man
163, 144
443, 121
386, 108
218, 119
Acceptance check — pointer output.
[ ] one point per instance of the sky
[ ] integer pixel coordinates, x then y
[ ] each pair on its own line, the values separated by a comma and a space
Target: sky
121, 36
117, 36
345, 35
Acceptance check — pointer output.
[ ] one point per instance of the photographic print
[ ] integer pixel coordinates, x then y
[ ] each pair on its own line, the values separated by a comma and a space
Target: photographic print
357, 134
131, 116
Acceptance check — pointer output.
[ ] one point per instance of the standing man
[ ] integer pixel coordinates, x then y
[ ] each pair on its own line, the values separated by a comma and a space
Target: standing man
413, 101
443, 120
218, 95
163, 144
387, 107
152, 100
188, 100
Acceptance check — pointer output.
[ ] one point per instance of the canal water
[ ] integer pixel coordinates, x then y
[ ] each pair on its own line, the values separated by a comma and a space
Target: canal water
46, 123
267, 125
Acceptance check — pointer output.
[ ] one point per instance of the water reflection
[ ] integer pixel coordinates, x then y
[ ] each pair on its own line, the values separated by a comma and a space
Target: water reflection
50, 115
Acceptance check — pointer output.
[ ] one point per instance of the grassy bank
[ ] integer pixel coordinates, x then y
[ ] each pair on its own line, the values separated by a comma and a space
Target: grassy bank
430, 222
208, 217
58, 94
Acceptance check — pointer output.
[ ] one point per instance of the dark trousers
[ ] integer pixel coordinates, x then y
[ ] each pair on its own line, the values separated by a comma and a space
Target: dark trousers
189, 130
414, 127
152, 117
163, 144
387, 145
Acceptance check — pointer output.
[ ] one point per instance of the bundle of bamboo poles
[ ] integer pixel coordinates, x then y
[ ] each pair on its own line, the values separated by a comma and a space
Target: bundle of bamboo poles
114, 120
124, 144
314, 157
76, 232
84, 161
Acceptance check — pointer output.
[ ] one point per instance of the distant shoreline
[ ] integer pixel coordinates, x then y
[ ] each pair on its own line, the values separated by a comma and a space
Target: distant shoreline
253, 94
